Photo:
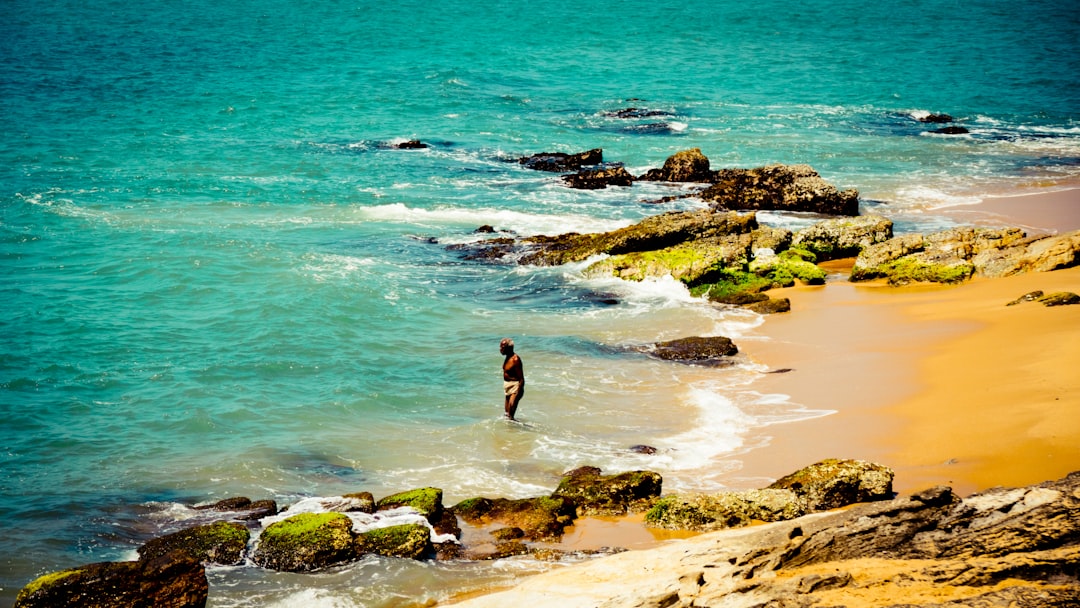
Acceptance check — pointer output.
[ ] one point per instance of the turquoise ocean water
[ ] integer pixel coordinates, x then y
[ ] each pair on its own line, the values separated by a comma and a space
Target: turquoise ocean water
219, 278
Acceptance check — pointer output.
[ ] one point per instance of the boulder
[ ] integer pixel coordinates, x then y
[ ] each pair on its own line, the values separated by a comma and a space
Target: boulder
248, 509
169, 581
412, 144
412, 541
770, 306
1059, 298
362, 502
597, 179
307, 541
559, 162
690, 262
705, 512
843, 237
596, 494
217, 543
935, 118
539, 518
1027, 297
781, 188
686, 166
695, 349
770, 238
832, 483
651, 234
1016, 254
426, 501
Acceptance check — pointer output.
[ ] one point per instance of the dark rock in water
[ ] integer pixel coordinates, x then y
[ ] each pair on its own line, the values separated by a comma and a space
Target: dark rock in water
307, 541
643, 449
779, 188
652, 128
490, 250
596, 179
636, 113
248, 510
935, 118
237, 503
596, 494
685, 166
411, 541
171, 581
951, 131
427, 501
1060, 298
1027, 297
695, 349
364, 503
539, 518
412, 144
485, 229
217, 543
560, 162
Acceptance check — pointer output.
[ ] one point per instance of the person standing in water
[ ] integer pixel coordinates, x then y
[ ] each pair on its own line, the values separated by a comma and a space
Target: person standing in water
513, 377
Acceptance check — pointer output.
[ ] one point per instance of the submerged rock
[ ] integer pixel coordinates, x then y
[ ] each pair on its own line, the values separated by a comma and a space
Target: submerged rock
560, 162
597, 179
175, 580
218, 543
596, 494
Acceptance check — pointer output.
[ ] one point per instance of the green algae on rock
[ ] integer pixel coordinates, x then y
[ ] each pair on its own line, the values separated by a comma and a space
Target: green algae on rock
306, 541
705, 512
427, 501
541, 517
411, 541
220, 542
834, 483
175, 580
596, 494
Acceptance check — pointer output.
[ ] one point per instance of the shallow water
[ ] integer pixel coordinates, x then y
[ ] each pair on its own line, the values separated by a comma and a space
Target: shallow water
220, 279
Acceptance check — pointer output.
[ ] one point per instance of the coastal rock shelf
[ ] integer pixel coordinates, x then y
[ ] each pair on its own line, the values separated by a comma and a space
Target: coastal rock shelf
999, 548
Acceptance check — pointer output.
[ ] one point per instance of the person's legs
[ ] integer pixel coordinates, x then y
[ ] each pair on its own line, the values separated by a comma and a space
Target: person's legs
512, 402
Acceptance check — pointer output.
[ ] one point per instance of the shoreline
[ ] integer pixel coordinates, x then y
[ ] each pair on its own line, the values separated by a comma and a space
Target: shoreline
910, 373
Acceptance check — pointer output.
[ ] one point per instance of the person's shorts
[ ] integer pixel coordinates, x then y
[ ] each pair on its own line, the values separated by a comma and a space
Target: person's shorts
512, 387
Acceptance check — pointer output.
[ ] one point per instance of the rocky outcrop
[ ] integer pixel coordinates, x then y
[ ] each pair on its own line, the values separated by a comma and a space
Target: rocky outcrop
217, 543
1016, 548
691, 262
696, 349
307, 541
779, 188
599, 178
829, 484
560, 162
843, 237
955, 255
596, 494
170, 581
538, 518
686, 166
651, 234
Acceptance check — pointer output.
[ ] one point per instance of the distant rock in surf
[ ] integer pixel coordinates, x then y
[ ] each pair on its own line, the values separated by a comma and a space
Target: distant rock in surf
560, 162
951, 131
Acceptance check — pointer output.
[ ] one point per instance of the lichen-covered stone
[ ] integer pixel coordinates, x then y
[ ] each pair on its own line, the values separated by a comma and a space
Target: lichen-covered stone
171, 581
307, 541
705, 512
843, 237
411, 541
218, 543
539, 518
651, 234
686, 262
596, 494
834, 483
427, 501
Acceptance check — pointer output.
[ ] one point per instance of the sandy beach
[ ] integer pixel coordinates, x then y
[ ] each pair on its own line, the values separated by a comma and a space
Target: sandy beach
947, 385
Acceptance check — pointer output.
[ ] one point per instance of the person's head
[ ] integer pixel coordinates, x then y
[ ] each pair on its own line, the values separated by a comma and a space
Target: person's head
506, 346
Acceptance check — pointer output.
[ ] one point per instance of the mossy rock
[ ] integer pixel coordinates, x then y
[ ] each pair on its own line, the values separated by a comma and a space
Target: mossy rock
411, 541
918, 268
730, 283
834, 483
175, 580
783, 269
221, 542
687, 262
307, 541
539, 518
705, 512
595, 494
427, 501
